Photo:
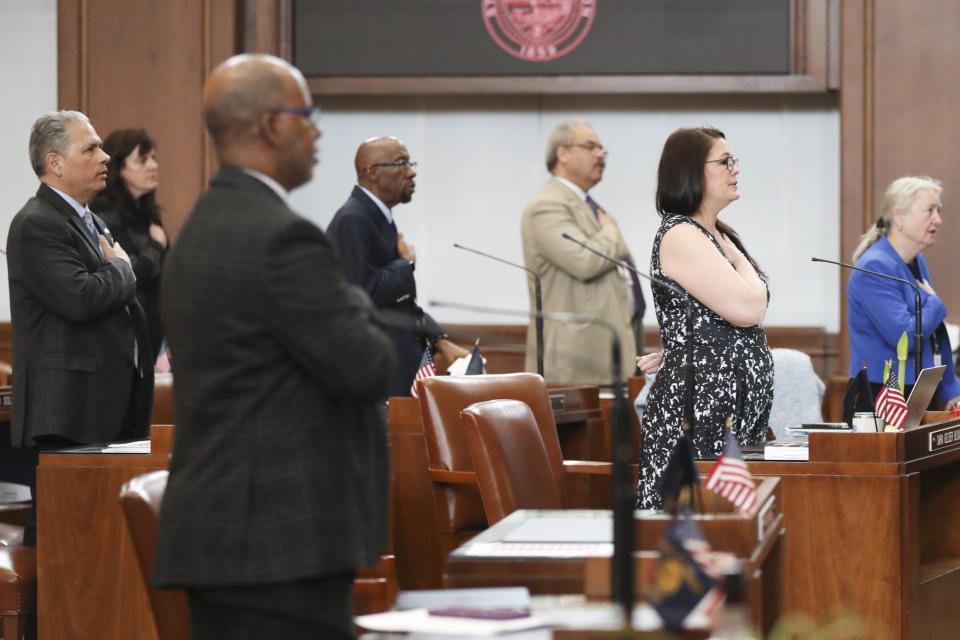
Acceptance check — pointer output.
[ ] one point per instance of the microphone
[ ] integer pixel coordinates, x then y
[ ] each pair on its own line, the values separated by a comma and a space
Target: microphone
689, 379
918, 332
537, 299
621, 579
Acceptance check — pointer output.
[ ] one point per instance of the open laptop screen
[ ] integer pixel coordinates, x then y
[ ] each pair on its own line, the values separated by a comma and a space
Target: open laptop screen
922, 393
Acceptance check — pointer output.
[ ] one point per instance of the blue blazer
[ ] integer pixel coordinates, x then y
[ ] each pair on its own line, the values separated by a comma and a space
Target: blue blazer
880, 310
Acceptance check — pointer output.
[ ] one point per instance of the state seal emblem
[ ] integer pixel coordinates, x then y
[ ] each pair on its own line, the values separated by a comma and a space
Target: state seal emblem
538, 30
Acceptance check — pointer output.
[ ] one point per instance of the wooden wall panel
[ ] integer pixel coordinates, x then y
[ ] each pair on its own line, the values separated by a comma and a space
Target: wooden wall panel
128, 64
916, 57
898, 87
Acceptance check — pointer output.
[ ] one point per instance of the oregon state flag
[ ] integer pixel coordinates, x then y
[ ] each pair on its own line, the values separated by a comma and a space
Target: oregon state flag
679, 582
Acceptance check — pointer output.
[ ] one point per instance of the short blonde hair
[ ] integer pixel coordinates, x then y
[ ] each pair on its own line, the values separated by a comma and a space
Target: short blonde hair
901, 195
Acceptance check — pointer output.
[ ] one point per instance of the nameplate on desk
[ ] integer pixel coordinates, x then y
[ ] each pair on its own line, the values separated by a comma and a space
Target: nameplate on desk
943, 438
558, 403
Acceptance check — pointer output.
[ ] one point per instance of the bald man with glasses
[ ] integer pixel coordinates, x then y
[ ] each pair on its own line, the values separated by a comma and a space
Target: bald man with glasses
378, 259
574, 279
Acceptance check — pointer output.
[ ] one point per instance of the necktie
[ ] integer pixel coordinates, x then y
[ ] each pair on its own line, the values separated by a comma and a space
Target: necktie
88, 220
639, 304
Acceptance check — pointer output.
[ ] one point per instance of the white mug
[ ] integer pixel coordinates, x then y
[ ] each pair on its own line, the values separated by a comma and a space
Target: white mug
867, 422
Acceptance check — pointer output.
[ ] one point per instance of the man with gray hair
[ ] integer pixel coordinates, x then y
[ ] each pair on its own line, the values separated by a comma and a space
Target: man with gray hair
78, 330
574, 279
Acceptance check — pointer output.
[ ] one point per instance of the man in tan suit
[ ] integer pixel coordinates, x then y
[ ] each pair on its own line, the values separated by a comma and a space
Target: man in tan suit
574, 279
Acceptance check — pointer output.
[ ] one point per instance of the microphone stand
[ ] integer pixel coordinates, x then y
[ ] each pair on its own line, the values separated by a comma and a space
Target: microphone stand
538, 300
688, 424
918, 334
622, 574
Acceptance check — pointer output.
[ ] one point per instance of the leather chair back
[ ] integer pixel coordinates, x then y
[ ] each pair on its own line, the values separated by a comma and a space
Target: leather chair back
512, 464
141, 498
18, 589
442, 398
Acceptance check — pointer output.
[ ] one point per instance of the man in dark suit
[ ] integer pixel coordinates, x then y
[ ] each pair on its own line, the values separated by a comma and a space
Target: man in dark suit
278, 486
78, 331
377, 258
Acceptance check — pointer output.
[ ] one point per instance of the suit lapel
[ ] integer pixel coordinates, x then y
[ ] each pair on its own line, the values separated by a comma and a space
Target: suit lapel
53, 198
388, 230
581, 210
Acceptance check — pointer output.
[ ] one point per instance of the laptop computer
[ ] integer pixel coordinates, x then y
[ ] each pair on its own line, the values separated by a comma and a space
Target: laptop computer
922, 393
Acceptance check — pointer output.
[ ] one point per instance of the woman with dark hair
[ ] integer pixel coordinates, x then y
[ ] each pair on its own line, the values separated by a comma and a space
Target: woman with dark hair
728, 295
128, 205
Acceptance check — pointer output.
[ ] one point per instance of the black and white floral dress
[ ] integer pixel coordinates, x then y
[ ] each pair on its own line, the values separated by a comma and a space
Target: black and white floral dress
733, 377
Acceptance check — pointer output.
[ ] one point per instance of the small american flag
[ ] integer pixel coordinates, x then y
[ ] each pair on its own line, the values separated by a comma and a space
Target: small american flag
427, 369
890, 403
730, 477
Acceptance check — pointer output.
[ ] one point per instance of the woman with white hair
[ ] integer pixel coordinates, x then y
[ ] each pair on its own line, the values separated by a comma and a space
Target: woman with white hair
881, 310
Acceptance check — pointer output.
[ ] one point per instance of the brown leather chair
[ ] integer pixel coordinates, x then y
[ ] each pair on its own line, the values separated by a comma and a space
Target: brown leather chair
511, 459
375, 588
18, 579
11, 535
141, 498
18, 588
162, 399
458, 507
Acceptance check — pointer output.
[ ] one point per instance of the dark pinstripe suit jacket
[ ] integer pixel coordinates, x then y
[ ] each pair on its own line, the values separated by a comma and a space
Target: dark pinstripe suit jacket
279, 467
75, 318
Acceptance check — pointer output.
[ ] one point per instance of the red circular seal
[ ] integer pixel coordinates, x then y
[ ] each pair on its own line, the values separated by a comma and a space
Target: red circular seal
538, 30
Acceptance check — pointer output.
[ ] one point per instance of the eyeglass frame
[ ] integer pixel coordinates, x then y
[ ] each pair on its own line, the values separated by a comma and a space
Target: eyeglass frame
727, 162
311, 113
405, 164
592, 147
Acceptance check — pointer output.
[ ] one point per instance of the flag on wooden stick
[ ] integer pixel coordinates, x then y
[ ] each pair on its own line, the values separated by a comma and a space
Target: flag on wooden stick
890, 403
426, 370
730, 477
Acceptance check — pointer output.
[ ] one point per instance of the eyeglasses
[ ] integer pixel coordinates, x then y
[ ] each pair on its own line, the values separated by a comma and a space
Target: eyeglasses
310, 113
591, 147
403, 164
730, 162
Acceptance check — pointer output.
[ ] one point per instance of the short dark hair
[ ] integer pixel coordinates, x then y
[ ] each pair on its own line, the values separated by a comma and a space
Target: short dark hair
680, 178
119, 145
680, 174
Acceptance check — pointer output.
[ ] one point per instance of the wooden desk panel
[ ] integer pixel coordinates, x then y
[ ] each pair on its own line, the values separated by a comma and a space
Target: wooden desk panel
88, 579
871, 528
758, 542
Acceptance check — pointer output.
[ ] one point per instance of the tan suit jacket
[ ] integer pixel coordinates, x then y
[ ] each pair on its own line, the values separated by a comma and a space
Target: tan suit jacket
577, 281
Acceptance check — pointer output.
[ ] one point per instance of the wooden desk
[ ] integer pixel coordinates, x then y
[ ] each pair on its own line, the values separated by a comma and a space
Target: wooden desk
88, 580
872, 523
755, 538
414, 538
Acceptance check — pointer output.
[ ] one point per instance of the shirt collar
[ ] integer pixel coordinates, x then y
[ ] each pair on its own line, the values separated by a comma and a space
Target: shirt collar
275, 186
383, 208
81, 209
577, 190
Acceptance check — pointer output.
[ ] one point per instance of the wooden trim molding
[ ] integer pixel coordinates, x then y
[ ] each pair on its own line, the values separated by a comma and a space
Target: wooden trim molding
813, 37
531, 85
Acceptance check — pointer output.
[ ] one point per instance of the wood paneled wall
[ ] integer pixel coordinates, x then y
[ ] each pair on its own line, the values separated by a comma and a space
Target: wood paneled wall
503, 345
143, 64
898, 89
